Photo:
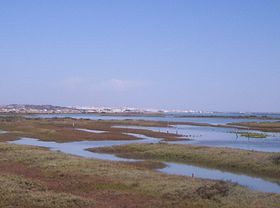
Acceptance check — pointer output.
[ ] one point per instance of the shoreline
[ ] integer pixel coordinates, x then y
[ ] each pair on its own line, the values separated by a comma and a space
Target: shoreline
82, 179
224, 159
147, 114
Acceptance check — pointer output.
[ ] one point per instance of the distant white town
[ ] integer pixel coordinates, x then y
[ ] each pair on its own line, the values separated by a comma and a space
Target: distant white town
50, 109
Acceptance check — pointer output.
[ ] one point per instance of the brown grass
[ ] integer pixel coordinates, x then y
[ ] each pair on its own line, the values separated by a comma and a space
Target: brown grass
36, 177
241, 161
261, 126
61, 130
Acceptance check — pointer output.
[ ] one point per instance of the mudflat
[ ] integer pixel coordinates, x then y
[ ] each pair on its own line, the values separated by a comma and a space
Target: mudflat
37, 177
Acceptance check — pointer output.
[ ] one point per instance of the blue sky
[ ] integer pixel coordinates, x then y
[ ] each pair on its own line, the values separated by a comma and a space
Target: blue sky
204, 55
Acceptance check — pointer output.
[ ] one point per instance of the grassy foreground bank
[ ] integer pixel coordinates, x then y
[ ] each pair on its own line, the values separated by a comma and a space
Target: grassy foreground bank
243, 161
37, 177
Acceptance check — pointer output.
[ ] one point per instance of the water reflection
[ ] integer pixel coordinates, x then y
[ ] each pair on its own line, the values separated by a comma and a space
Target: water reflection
160, 117
251, 182
91, 131
80, 149
218, 137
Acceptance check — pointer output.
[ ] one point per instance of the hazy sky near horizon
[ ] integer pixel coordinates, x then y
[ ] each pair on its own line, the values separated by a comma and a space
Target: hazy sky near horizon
182, 54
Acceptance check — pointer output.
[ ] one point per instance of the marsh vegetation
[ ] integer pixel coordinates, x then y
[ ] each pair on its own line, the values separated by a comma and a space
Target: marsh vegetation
36, 177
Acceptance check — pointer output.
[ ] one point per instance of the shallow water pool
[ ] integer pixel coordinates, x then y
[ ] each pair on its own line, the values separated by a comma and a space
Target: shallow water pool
80, 148
218, 137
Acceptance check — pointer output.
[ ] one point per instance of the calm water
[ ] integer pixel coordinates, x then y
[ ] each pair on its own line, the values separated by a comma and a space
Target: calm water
80, 149
251, 182
219, 137
199, 135
76, 148
92, 131
164, 117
